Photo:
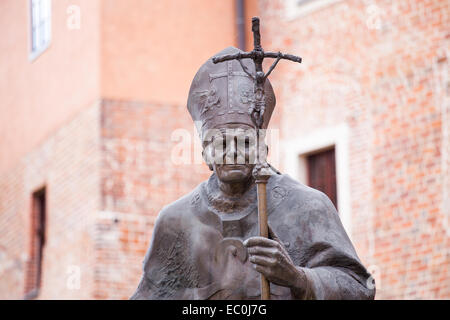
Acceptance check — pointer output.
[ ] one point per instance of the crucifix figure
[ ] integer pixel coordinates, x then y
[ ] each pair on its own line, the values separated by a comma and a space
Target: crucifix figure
249, 231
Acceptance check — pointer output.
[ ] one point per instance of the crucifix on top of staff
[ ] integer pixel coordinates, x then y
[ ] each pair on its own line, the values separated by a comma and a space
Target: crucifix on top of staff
261, 172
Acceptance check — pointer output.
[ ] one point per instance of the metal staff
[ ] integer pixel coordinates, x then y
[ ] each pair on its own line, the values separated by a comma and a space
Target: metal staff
261, 172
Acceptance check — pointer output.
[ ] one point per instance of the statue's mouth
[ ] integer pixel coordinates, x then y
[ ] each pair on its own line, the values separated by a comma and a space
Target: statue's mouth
234, 166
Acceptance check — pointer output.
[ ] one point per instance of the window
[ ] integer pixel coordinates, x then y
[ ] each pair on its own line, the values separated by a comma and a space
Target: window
321, 167
298, 8
40, 26
37, 241
302, 147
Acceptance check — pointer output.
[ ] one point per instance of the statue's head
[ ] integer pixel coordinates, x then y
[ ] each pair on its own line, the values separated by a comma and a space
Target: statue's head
220, 98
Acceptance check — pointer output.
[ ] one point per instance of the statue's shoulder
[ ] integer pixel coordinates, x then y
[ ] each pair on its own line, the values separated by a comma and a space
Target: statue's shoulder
295, 206
179, 210
297, 195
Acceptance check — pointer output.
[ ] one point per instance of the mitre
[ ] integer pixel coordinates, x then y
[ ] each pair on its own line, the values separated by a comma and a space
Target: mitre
223, 93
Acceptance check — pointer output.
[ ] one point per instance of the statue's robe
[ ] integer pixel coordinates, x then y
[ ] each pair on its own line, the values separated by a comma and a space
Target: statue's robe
196, 251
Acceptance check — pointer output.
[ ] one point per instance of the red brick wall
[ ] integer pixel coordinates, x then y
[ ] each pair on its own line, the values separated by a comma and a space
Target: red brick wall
139, 177
383, 72
13, 241
67, 163
108, 173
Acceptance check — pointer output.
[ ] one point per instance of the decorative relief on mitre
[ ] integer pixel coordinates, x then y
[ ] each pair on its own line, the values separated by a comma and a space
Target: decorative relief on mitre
223, 93
247, 94
207, 99
269, 98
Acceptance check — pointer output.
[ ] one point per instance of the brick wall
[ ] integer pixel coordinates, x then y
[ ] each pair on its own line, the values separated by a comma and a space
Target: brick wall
140, 174
12, 243
108, 173
380, 68
67, 164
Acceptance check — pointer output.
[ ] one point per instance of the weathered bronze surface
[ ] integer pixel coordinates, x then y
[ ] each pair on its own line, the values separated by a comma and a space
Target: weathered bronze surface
207, 244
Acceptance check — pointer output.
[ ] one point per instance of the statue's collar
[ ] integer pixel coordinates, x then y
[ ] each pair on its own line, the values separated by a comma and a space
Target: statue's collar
229, 207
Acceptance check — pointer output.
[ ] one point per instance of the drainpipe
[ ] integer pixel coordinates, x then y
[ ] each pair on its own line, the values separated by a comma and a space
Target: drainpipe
240, 23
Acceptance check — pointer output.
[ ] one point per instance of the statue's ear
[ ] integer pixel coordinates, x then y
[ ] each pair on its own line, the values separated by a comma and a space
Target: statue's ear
207, 159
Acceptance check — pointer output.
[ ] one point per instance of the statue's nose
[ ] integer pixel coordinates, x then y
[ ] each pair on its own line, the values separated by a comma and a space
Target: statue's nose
231, 151
233, 146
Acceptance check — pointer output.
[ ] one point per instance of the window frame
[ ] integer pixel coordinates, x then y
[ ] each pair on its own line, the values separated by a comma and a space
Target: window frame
44, 22
297, 149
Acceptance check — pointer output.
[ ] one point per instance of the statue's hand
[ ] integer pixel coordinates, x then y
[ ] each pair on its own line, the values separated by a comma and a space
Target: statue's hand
271, 258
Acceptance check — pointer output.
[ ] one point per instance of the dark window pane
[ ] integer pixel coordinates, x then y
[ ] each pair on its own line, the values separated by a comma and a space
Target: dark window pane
322, 173
34, 266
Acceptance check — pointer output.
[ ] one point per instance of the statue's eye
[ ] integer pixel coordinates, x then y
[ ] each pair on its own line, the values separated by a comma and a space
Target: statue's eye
219, 143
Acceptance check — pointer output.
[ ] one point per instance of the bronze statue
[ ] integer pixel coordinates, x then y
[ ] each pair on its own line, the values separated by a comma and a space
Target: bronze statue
249, 232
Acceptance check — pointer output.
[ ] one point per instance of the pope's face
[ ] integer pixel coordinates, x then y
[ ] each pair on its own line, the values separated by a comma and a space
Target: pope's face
231, 150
